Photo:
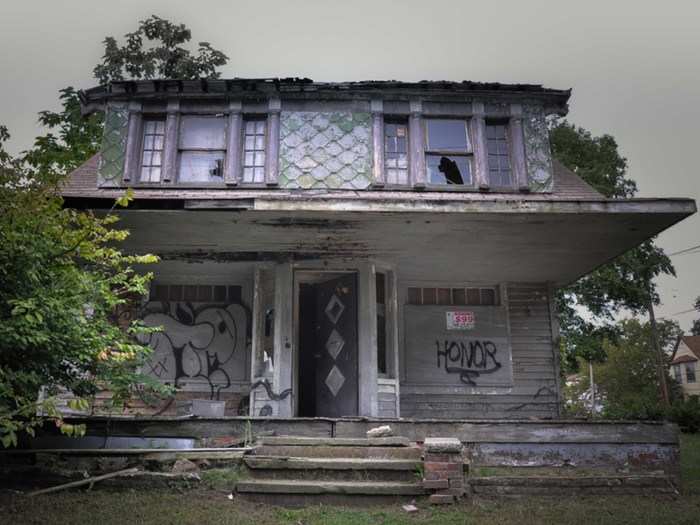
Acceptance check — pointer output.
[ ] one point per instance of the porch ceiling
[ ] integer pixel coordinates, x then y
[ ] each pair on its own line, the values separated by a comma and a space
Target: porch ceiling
477, 241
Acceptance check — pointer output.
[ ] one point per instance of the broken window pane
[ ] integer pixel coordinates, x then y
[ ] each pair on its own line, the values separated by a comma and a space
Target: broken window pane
444, 169
201, 166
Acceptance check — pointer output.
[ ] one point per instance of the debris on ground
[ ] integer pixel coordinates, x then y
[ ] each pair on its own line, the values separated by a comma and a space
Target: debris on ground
383, 431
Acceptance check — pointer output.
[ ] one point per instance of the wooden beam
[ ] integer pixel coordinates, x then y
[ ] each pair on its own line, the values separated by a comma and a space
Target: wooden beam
232, 169
172, 125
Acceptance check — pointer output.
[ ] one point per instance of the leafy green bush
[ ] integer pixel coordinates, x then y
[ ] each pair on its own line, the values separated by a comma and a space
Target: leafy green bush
686, 414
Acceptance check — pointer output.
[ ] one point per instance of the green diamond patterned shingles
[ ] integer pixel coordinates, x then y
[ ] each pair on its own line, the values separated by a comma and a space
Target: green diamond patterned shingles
330, 150
113, 147
538, 156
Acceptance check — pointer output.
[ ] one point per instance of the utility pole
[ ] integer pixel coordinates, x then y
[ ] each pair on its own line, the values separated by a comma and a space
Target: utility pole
661, 366
592, 387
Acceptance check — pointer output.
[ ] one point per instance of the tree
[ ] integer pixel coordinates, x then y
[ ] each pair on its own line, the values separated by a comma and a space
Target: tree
695, 329
63, 279
626, 283
627, 379
154, 50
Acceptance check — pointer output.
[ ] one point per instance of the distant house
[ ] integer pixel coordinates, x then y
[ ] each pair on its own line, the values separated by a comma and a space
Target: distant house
684, 365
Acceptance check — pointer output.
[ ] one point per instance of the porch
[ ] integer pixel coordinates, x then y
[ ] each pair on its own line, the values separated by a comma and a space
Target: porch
337, 306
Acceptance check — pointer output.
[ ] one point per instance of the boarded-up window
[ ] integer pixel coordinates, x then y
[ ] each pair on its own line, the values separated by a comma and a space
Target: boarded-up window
483, 296
498, 154
448, 152
254, 150
152, 149
396, 152
202, 148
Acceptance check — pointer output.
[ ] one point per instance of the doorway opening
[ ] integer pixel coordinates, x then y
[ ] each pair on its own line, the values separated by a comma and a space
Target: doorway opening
328, 344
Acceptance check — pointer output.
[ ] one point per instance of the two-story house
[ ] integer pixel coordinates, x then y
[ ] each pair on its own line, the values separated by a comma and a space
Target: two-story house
684, 365
368, 248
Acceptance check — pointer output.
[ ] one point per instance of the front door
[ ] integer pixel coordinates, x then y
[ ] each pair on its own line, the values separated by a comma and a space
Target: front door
335, 354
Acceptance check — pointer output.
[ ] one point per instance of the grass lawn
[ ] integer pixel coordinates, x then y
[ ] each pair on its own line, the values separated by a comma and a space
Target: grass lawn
213, 507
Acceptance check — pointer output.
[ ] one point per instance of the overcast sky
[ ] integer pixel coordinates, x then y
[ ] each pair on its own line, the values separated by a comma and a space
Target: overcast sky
634, 67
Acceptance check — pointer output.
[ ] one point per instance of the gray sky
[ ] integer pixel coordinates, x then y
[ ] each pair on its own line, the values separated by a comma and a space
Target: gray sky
634, 67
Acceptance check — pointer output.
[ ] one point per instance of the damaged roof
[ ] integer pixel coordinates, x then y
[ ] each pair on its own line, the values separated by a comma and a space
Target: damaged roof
93, 99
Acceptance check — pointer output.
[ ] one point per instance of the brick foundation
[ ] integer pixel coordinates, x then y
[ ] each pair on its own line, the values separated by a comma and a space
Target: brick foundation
443, 467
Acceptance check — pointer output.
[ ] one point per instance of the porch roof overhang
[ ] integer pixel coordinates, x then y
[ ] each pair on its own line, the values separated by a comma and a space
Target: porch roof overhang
498, 238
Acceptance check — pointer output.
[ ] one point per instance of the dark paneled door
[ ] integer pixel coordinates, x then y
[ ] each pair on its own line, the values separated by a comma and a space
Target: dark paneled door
336, 351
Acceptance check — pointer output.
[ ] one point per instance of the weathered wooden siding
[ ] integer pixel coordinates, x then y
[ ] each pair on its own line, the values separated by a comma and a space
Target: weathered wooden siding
534, 391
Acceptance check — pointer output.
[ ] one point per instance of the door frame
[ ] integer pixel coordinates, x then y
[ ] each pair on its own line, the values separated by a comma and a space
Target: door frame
310, 274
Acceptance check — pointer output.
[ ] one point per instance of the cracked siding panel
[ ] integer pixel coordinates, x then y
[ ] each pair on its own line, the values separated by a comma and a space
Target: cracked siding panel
113, 151
538, 155
330, 150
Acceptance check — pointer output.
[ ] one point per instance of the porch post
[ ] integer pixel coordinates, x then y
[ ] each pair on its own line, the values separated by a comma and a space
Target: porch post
367, 341
284, 338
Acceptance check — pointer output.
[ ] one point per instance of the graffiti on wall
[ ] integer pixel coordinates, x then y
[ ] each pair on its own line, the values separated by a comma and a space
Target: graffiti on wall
470, 359
199, 343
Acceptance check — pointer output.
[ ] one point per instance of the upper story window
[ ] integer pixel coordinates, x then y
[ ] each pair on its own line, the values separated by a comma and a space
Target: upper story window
202, 148
448, 152
690, 372
254, 143
396, 152
500, 173
152, 149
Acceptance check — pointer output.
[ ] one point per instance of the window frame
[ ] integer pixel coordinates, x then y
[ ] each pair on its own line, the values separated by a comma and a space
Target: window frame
396, 120
179, 150
253, 117
690, 371
469, 153
506, 122
136, 179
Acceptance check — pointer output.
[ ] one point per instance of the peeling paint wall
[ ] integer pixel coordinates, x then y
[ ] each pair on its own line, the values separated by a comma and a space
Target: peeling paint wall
325, 150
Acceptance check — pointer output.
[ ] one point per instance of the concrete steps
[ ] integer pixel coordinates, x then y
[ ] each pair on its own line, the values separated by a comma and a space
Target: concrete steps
290, 470
339, 469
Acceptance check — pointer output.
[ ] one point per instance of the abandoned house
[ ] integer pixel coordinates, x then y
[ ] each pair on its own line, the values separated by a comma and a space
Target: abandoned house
384, 249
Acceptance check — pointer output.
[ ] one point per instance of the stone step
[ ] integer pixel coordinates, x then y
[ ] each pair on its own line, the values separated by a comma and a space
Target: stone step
339, 451
579, 485
394, 441
337, 469
306, 487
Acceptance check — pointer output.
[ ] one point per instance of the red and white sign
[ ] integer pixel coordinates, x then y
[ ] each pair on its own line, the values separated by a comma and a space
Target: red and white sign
460, 320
